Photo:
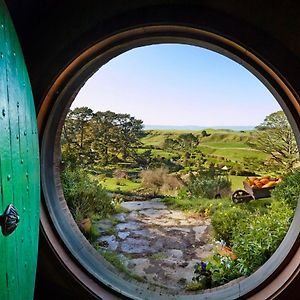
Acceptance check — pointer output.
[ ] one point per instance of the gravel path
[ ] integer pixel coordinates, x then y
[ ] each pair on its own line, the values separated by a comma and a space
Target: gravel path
155, 243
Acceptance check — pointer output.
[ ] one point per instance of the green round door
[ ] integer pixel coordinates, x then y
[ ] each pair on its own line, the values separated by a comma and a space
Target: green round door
19, 167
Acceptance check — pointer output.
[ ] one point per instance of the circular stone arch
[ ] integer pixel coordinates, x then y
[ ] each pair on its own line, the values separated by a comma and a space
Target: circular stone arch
73, 252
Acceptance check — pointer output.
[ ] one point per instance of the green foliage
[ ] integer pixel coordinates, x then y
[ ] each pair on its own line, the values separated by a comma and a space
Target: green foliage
276, 138
99, 137
224, 222
256, 237
224, 269
209, 183
253, 234
289, 189
84, 196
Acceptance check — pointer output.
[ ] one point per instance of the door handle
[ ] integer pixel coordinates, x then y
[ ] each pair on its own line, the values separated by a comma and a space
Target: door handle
9, 220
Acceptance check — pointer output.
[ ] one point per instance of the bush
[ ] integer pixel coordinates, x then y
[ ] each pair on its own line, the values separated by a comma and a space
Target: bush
257, 237
253, 237
225, 221
160, 181
208, 183
289, 189
84, 196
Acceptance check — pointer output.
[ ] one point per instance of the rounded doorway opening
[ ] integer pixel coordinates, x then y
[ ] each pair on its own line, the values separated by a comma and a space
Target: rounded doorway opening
69, 83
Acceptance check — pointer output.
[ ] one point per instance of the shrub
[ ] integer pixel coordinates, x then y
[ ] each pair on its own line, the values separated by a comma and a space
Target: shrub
224, 269
84, 196
208, 183
256, 237
289, 189
225, 221
160, 181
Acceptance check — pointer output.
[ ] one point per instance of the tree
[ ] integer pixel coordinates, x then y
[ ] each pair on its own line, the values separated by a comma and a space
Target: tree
204, 133
187, 141
130, 132
76, 135
116, 134
89, 138
170, 144
275, 137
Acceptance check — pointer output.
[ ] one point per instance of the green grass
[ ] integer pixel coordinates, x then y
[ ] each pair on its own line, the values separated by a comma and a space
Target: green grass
210, 206
114, 259
232, 145
226, 145
236, 182
122, 184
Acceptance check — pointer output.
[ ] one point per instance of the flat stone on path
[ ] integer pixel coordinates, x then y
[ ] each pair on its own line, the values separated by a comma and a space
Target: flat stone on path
110, 242
104, 225
120, 217
154, 213
123, 234
174, 254
141, 205
199, 232
131, 245
138, 266
128, 226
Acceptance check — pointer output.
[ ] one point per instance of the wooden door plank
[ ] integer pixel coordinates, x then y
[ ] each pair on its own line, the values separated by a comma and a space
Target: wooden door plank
19, 167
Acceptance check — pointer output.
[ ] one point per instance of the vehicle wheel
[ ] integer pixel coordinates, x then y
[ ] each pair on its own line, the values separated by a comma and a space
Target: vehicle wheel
241, 196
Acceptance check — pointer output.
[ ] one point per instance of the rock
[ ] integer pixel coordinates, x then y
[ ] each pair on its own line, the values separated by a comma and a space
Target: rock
109, 242
174, 254
154, 213
199, 232
137, 246
158, 245
123, 235
140, 233
104, 225
120, 217
127, 226
177, 214
132, 216
180, 229
140, 205
138, 266
169, 263
183, 264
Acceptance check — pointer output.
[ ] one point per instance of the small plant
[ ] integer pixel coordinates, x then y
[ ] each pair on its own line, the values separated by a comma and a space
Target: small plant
85, 197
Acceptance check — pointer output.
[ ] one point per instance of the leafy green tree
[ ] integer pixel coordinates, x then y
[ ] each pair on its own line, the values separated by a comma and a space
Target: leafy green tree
89, 138
105, 135
275, 137
130, 132
188, 141
77, 137
170, 144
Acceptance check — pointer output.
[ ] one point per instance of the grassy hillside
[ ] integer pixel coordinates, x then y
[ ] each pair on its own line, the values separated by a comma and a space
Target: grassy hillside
224, 144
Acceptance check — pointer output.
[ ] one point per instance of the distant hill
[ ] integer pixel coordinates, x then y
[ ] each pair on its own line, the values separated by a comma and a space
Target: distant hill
233, 145
194, 127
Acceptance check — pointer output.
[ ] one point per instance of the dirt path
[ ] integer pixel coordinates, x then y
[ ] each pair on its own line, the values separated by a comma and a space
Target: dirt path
155, 243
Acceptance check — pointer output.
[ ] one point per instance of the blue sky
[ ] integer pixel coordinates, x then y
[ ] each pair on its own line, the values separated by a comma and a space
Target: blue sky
174, 84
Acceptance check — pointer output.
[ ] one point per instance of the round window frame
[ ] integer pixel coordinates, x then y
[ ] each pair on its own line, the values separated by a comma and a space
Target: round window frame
55, 211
